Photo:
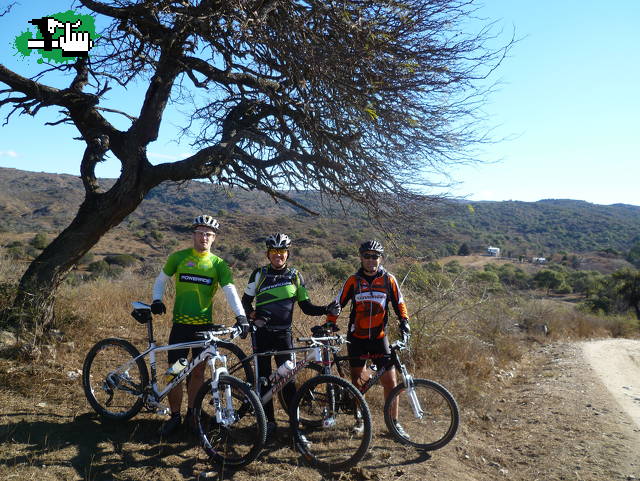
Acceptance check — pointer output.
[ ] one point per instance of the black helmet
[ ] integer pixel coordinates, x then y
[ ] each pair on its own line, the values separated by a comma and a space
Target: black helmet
207, 221
278, 241
371, 245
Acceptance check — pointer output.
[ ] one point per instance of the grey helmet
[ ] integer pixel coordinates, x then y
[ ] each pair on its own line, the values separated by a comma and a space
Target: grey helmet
207, 221
278, 241
371, 245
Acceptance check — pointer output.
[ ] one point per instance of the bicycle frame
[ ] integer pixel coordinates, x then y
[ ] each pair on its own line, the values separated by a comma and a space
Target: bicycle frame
393, 362
314, 355
152, 394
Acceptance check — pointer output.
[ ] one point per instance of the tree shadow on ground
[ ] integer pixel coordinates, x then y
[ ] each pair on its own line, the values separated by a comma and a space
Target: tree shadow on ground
101, 449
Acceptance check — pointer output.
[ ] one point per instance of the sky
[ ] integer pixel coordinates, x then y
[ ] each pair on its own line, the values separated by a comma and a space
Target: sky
564, 115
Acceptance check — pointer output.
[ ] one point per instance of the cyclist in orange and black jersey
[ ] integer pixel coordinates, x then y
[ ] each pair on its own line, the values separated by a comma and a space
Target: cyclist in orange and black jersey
370, 291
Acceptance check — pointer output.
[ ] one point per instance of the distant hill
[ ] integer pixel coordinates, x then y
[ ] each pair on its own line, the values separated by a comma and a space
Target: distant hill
40, 202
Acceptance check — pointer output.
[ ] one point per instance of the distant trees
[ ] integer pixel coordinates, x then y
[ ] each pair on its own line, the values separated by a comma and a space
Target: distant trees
464, 250
548, 279
627, 284
351, 99
634, 255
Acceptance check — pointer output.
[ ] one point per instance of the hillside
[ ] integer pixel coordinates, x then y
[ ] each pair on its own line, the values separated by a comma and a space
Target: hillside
40, 202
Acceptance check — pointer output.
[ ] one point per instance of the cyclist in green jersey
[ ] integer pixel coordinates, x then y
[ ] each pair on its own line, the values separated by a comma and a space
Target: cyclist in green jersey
198, 273
276, 288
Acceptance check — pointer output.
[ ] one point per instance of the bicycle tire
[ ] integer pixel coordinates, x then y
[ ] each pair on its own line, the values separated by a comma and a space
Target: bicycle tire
439, 423
332, 444
237, 363
240, 443
114, 395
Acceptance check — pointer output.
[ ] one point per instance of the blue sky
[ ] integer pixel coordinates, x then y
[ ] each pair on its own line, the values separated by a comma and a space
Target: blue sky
568, 103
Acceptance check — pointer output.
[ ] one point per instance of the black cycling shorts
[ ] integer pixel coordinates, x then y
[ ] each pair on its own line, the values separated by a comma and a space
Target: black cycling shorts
366, 347
185, 333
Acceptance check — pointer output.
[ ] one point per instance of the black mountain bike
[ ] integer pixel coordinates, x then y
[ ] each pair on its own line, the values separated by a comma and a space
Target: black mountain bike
427, 412
323, 411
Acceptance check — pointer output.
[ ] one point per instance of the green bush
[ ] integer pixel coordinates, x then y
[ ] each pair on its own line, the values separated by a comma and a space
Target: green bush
343, 252
339, 269
123, 260
102, 268
98, 266
39, 241
16, 252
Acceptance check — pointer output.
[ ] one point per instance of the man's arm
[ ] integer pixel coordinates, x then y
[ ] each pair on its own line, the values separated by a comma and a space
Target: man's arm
157, 306
233, 299
343, 297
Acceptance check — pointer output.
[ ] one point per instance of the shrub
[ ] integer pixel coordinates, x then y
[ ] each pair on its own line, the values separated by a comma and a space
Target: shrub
17, 252
343, 252
464, 250
339, 269
98, 266
123, 260
39, 241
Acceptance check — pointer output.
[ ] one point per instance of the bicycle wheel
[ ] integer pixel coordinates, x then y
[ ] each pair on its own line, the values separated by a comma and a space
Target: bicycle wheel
436, 422
335, 441
306, 373
237, 364
114, 378
240, 441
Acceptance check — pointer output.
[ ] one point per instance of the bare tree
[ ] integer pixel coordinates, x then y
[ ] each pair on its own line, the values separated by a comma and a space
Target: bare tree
356, 100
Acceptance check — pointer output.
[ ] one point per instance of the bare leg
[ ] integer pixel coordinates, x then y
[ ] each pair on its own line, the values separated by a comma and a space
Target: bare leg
194, 383
389, 381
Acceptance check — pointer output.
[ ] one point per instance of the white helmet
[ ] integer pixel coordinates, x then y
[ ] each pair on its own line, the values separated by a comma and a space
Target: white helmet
278, 241
207, 221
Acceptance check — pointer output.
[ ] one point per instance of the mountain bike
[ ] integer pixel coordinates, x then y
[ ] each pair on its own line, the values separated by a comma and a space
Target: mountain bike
323, 411
428, 413
117, 385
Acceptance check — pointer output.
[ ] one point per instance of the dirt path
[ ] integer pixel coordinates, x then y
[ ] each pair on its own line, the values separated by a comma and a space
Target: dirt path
617, 363
548, 418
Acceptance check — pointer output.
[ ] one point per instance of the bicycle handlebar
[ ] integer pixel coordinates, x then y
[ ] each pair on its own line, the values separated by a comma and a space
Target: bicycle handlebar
401, 344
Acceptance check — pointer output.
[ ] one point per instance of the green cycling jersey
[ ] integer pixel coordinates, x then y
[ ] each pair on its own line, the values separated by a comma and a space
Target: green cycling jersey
197, 277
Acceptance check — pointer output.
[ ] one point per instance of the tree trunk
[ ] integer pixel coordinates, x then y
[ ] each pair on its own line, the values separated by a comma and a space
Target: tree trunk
33, 307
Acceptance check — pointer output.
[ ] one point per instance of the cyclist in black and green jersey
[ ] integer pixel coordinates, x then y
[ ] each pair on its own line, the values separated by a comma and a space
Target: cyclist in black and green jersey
276, 287
198, 273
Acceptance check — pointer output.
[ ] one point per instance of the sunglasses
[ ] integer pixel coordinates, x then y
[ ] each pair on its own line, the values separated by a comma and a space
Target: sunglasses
204, 233
278, 251
371, 256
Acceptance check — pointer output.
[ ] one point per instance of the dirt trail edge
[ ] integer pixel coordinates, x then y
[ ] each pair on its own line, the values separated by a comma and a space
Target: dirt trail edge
617, 363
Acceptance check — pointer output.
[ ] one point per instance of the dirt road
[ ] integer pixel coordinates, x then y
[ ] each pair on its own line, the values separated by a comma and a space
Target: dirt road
617, 363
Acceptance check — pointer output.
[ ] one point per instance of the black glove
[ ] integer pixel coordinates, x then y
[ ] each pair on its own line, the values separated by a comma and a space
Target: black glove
404, 326
243, 325
158, 307
333, 308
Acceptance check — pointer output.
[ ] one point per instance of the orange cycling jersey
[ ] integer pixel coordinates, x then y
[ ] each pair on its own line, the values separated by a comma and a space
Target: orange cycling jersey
369, 303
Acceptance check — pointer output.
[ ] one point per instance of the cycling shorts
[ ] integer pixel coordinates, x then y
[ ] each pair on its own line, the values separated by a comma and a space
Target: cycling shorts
185, 333
366, 347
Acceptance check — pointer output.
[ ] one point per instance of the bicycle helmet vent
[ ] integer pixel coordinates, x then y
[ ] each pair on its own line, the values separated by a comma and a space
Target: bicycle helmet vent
278, 241
371, 245
207, 221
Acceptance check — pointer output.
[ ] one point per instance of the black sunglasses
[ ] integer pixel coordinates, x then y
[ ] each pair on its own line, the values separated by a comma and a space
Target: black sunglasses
371, 256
